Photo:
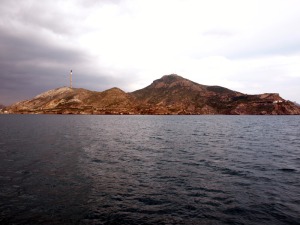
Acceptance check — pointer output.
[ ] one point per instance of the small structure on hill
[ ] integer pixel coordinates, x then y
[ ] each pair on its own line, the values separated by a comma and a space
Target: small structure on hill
71, 79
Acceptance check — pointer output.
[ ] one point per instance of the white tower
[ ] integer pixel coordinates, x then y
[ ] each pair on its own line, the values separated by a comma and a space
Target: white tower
71, 79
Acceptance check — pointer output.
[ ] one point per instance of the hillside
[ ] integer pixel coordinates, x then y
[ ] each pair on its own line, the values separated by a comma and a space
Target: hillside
171, 94
67, 100
176, 95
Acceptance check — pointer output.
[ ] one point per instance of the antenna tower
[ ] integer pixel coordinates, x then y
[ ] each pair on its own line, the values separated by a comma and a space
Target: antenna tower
71, 79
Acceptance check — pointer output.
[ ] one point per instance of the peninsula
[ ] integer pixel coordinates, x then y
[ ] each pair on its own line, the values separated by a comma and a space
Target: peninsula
169, 95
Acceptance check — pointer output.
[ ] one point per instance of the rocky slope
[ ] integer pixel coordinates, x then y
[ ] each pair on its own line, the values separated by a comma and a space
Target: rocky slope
75, 101
173, 94
170, 94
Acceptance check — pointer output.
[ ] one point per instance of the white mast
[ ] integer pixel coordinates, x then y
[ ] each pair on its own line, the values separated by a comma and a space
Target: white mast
71, 79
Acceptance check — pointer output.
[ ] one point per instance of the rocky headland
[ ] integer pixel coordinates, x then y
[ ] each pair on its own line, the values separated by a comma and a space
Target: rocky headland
169, 95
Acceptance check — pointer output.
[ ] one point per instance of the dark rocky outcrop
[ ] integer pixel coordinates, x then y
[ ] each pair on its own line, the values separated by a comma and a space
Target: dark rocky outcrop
171, 94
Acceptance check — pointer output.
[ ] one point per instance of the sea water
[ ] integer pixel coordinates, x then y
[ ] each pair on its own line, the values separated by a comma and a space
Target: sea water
75, 169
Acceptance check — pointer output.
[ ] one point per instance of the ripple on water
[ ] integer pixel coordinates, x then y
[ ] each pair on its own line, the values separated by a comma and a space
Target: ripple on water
149, 170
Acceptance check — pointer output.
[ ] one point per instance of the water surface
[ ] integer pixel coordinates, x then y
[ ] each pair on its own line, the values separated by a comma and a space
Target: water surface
65, 169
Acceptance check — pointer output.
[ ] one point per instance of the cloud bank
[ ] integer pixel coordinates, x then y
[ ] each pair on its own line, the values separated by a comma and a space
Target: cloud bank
250, 46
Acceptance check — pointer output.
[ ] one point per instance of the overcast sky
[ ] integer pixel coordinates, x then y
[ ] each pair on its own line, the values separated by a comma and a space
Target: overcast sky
251, 46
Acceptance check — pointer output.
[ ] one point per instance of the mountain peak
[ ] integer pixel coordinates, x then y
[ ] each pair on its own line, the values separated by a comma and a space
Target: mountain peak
52, 92
115, 90
174, 80
172, 75
171, 78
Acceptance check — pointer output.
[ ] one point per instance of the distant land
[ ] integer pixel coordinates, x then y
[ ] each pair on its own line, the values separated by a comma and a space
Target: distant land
169, 95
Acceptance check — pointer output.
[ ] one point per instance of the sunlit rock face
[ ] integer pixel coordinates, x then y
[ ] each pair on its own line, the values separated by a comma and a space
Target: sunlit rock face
169, 95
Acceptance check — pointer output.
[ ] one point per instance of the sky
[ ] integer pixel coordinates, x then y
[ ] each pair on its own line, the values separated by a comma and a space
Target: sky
250, 46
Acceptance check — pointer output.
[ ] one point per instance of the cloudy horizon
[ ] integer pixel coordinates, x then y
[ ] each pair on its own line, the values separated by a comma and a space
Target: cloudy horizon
249, 46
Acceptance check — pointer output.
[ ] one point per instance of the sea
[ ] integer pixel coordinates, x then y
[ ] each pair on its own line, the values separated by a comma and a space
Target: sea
89, 169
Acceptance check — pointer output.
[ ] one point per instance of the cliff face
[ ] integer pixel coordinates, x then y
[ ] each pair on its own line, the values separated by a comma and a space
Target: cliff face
171, 94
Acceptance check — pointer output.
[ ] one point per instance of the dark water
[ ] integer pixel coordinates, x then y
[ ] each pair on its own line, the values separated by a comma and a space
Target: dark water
149, 169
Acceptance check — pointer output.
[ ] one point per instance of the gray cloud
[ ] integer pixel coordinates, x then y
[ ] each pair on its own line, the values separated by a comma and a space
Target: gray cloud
27, 63
111, 43
35, 54
25, 47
